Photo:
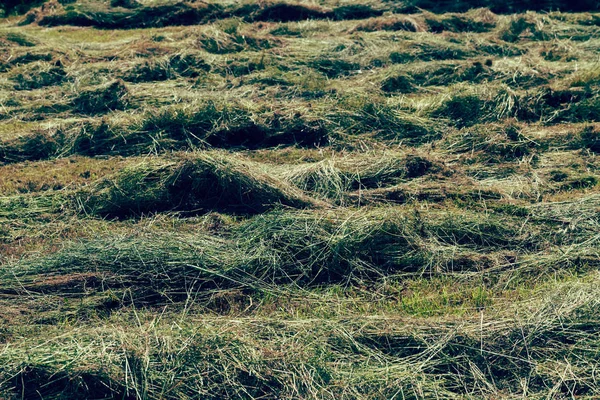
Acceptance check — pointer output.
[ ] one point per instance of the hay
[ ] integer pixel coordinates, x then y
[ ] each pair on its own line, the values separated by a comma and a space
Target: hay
37, 146
38, 76
103, 99
193, 183
502, 7
140, 17
162, 69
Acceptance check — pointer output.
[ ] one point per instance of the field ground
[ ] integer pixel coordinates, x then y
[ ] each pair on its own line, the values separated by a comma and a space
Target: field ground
264, 200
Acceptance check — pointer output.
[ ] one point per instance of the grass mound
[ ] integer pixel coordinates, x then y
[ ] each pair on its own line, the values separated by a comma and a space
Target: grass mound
112, 96
450, 73
398, 84
320, 249
430, 51
37, 146
38, 76
521, 27
389, 24
469, 106
590, 138
356, 11
423, 359
191, 123
463, 110
12, 38
132, 15
479, 20
23, 59
281, 12
495, 144
559, 105
219, 42
587, 110
498, 6
18, 6
190, 183
332, 178
289, 12
35, 381
390, 123
166, 266
210, 124
278, 248
236, 367
143, 17
125, 3
233, 126
323, 179
334, 67
184, 65
300, 247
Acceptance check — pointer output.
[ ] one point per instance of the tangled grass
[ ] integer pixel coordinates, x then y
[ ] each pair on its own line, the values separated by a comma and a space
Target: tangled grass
277, 200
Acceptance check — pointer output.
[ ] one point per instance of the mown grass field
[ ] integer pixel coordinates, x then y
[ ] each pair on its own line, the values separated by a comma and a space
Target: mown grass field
302, 200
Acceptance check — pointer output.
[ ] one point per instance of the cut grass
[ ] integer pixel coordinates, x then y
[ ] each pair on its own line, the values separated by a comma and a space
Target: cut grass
191, 183
39, 76
283, 247
186, 65
182, 13
288, 199
333, 179
388, 351
103, 99
177, 13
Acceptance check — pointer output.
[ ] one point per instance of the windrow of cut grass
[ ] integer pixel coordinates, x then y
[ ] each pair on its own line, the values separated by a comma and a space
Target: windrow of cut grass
307, 249
234, 125
183, 13
192, 183
466, 106
136, 15
335, 178
503, 6
211, 123
172, 128
270, 357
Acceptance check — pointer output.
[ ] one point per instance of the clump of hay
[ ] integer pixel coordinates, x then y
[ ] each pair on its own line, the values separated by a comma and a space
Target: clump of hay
102, 99
190, 183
